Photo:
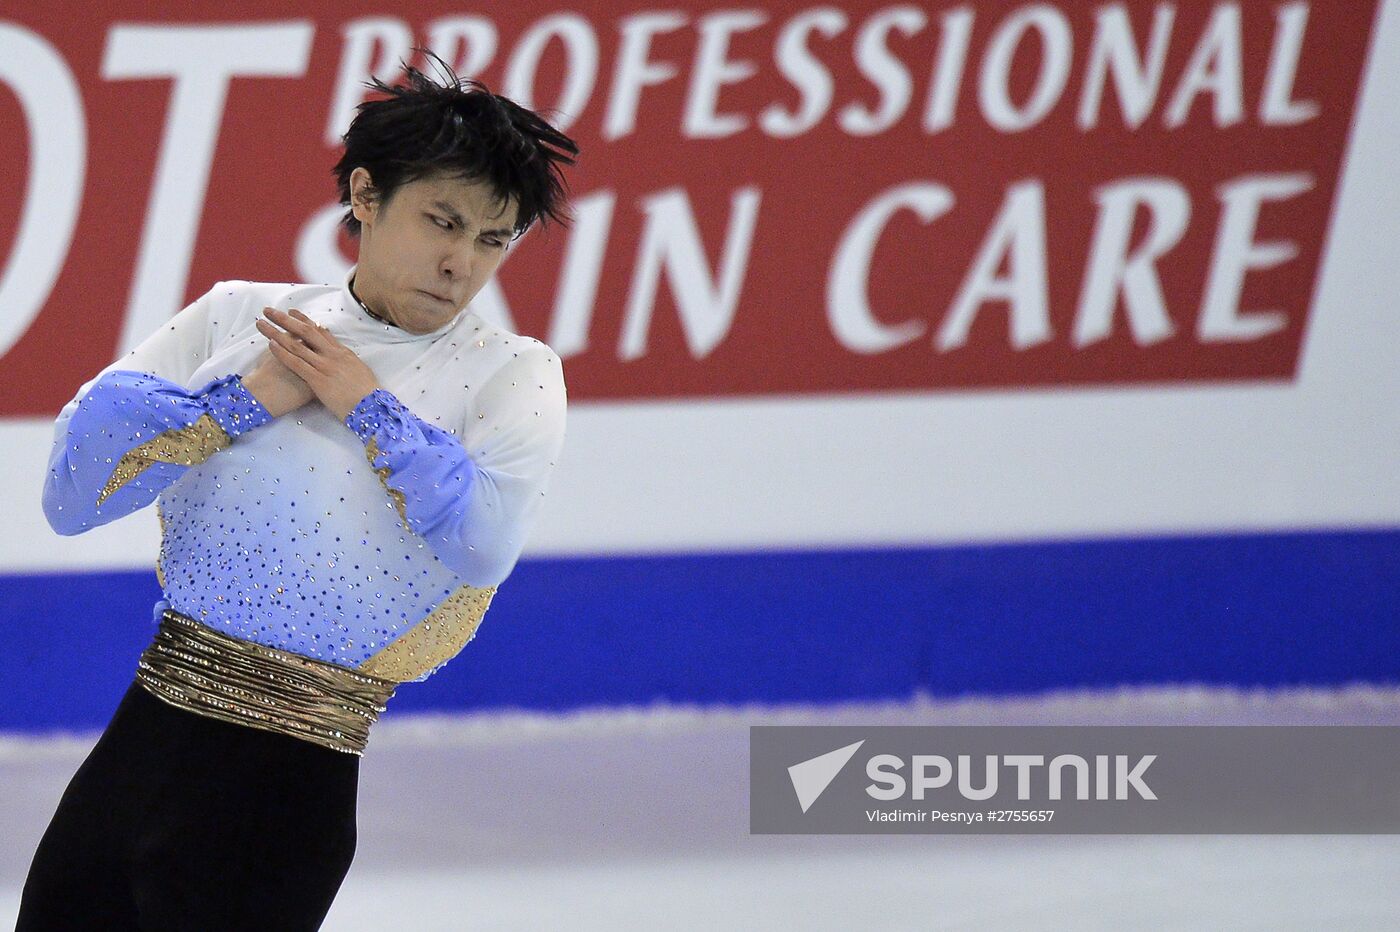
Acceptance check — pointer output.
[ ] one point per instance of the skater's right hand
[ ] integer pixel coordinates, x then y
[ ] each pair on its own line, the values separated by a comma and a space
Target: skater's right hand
276, 387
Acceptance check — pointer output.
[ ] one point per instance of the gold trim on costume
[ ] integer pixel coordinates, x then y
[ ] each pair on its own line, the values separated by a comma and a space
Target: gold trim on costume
444, 632
193, 667
160, 557
371, 451
183, 446
434, 640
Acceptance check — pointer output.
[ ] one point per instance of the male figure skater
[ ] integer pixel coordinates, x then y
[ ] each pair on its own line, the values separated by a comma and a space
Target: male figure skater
344, 474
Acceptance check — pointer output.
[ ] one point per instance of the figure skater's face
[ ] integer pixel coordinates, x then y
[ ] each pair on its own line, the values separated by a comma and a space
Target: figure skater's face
426, 252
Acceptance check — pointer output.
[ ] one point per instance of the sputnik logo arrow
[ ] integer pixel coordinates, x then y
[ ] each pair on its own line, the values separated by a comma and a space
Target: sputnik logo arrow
811, 777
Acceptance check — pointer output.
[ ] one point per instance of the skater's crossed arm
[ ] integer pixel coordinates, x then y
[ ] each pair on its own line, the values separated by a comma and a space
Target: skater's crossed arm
472, 497
134, 428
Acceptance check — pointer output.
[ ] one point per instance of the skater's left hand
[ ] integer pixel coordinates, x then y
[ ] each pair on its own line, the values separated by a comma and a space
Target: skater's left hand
339, 378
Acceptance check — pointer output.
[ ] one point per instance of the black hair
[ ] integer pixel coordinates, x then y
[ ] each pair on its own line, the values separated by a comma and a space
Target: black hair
459, 129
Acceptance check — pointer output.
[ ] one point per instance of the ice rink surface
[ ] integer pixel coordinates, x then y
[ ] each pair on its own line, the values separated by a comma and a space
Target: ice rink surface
638, 819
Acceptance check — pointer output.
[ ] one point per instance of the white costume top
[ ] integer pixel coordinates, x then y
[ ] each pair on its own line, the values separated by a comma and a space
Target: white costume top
375, 543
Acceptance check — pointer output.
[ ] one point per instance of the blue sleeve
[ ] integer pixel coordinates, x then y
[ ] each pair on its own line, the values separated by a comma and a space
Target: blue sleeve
424, 469
130, 435
472, 498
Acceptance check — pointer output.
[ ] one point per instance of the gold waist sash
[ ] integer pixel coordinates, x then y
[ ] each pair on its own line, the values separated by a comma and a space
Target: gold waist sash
193, 667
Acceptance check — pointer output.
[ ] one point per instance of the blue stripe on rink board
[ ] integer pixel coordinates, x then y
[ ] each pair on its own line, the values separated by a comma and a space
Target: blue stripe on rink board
1317, 609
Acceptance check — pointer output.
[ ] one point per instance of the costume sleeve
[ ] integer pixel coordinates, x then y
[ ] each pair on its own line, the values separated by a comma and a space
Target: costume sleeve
133, 428
473, 497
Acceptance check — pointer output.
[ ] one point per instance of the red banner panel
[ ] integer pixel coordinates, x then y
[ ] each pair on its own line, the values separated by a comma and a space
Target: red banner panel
826, 199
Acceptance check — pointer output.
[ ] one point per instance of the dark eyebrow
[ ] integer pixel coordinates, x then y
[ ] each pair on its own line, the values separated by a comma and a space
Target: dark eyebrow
457, 219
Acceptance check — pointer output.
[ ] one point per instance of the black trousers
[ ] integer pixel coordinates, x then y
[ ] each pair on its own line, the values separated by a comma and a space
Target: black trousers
178, 821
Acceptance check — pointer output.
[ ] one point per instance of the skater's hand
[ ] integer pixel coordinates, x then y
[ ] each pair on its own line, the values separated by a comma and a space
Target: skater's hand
275, 387
338, 377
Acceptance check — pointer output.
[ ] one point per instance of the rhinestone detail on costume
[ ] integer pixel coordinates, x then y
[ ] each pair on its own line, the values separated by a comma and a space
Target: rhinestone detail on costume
436, 639
184, 446
196, 668
282, 537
